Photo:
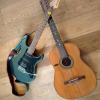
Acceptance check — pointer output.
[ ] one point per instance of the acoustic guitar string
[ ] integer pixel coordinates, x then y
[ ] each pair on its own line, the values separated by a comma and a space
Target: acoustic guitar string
71, 75
37, 35
71, 71
75, 83
64, 80
78, 83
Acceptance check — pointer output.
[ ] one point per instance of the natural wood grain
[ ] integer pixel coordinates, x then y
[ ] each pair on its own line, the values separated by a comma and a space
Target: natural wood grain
79, 68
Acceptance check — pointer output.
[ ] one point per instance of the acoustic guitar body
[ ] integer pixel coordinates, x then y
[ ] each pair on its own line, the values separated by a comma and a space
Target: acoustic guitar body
75, 81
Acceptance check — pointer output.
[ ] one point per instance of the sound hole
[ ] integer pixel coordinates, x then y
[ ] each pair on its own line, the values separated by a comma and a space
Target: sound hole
66, 62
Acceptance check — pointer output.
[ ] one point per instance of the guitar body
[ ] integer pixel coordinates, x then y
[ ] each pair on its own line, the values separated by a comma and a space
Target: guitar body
18, 88
76, 81
73, 78
23, 65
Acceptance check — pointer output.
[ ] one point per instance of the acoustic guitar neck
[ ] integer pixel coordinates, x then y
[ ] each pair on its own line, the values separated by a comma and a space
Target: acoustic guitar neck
57, 38
54, 30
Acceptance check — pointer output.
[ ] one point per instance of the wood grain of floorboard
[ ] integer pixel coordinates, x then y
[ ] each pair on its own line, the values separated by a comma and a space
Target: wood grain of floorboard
18, 21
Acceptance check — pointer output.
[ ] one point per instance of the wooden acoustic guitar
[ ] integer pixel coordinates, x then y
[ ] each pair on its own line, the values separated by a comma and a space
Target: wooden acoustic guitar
23, 59
73, 77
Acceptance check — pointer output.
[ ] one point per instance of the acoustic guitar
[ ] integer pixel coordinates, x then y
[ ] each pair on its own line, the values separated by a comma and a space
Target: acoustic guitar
73, 77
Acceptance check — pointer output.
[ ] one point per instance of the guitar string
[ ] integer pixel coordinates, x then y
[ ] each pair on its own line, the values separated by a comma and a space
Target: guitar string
80, 88
79, 85
64, 80
37, 35
72, 71
75, 83
72, 74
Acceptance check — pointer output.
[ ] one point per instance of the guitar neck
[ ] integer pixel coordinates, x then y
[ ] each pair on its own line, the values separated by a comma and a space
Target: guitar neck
38, 33
37, 36
57, 38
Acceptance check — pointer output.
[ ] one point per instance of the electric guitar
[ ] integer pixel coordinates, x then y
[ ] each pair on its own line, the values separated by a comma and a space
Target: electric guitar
22, 61
73, 77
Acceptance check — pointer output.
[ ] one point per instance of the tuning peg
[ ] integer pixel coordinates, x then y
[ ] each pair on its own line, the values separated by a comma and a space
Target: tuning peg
54, 3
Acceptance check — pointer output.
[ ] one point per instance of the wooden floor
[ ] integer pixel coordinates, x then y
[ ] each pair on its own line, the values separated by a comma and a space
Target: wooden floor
78, 21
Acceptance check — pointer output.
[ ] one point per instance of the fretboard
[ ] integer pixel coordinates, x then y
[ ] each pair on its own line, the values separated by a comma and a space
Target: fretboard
57, 38
36, 38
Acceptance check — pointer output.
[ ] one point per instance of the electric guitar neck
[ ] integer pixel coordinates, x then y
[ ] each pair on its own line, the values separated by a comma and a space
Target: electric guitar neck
52, 5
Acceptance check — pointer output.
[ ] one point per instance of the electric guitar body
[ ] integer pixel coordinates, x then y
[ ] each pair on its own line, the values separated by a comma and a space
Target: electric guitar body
74, 78
23, 65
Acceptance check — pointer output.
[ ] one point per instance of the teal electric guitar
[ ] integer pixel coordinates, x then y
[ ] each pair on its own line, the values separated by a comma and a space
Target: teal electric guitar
23, 62
22, 59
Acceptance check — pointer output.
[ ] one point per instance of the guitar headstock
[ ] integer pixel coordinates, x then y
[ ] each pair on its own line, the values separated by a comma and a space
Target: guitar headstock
48, 6
54, 3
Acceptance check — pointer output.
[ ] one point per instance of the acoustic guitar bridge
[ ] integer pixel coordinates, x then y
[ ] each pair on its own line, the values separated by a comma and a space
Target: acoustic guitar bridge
74, 80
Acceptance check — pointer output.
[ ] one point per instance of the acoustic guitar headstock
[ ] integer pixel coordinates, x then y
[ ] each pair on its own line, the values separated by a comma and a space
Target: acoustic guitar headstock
54, 4
48, 6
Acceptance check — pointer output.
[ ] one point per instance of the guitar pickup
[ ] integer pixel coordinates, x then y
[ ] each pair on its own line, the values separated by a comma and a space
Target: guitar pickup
74, 80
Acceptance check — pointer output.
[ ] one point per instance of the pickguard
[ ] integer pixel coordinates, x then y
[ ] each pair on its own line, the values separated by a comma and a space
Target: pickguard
26, 64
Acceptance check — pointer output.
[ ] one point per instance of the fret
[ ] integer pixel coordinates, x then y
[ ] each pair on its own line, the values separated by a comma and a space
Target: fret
55, 32
37, 35
47, 9
56, 35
